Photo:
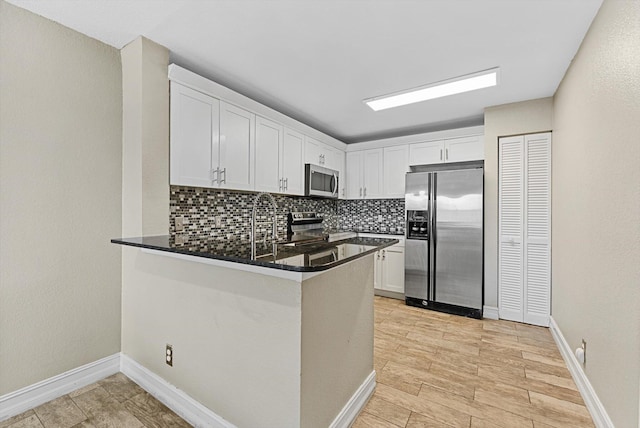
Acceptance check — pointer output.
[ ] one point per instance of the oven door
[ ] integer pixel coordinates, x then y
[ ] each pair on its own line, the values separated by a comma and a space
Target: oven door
321, 181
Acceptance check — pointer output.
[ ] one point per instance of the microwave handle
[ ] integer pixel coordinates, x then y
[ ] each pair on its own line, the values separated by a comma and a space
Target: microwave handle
334, 191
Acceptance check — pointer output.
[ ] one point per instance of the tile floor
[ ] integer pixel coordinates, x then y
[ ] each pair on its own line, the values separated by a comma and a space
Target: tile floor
114, 402
439, 370
433, 370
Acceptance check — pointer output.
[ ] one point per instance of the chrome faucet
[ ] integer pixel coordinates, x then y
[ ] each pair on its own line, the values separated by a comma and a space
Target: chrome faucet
253, 225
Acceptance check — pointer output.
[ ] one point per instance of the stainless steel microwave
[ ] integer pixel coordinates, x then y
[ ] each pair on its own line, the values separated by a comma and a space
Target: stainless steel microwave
320, 181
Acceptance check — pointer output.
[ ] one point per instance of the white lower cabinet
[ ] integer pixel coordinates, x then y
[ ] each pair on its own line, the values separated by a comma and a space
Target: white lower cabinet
389, 265
389, 269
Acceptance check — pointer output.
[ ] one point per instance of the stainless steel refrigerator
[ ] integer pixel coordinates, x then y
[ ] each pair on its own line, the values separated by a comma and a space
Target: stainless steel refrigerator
444, 238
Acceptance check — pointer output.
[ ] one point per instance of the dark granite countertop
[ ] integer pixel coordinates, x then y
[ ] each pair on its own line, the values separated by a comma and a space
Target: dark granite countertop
312, 257
372, 232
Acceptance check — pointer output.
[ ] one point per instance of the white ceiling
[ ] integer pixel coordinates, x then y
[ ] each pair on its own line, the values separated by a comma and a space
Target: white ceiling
316, 60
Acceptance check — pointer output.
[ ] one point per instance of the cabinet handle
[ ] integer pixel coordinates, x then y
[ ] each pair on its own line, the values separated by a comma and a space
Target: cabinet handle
446, 154
280, 186
440, 154
361, 192
384, 254
215, 173
365, 192
378, 253
286, 183
223, 180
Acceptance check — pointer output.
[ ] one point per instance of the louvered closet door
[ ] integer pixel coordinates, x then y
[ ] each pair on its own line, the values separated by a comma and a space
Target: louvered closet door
537, 250
511, 226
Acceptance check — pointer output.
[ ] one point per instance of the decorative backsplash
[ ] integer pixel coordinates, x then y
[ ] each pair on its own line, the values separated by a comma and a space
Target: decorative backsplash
372, 215
201, 207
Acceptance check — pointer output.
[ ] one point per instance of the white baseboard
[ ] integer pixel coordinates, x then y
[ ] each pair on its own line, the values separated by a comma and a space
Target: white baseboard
490, 312
182, 404
31, 396
189, 409
594, 405
355, 404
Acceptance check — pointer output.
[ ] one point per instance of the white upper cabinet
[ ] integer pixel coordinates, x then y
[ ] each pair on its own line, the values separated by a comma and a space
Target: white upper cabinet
194, 137
237, 144
372, 178
426, 153
269, 142
364, 174
318, 153
339, 158
314, 151
448, 150
396, 165
292, 162
354, 175
221, 139
464, 149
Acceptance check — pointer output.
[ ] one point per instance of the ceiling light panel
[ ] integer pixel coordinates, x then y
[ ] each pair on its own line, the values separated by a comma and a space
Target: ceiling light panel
458, 85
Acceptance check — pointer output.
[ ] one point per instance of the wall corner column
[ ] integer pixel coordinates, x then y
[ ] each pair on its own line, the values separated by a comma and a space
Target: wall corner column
145, 139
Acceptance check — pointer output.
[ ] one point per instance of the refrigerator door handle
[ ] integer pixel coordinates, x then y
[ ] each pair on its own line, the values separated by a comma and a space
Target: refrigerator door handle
433, 235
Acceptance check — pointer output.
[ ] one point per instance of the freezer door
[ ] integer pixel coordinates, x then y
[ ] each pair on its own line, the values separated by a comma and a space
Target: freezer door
416, 269
416, 195
457, 238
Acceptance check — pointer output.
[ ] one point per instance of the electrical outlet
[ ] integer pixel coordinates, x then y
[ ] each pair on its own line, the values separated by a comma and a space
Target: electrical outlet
218, 221
169, 355
179, 224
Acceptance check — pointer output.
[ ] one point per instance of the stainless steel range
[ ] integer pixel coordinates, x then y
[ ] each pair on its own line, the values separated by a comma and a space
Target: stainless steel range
307, 227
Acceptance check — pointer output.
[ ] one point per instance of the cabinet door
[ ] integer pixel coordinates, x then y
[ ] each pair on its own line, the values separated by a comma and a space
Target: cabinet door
372, 173
269, 138
396, 165
426, 153
292, 162
464, 149
342, 179
354, 175
511, 228
194, 137
377, 270
313, 151
237, 145
393, 269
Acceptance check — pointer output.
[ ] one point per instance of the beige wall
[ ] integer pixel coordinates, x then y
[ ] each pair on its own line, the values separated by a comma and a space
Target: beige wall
235, 335
509, 119
60, 198
596, 207
337, 339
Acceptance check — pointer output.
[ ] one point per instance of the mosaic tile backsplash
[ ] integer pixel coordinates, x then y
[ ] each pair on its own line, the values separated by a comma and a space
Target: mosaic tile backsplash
201, 207
372, 215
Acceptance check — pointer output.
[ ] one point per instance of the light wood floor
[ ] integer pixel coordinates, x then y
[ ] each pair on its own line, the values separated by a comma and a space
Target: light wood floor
439, 370
433, 370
